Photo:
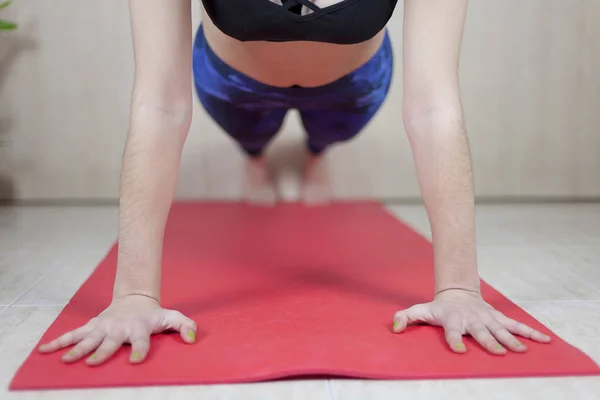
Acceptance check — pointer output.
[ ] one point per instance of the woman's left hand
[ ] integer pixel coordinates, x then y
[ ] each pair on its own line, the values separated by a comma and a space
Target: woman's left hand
462, 312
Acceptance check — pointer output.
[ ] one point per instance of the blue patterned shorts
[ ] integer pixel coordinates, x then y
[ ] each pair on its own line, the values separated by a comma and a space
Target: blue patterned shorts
252, 113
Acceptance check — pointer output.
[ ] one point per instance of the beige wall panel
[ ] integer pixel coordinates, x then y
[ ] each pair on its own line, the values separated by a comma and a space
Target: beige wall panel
529, 75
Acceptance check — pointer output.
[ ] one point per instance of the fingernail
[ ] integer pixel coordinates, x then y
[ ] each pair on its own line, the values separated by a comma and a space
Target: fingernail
136, 356
192, 335
70, 354
459, 346
396, 325
519, 344
93, 356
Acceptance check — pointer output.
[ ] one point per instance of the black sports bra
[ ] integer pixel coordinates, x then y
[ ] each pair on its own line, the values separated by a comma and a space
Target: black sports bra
346, 22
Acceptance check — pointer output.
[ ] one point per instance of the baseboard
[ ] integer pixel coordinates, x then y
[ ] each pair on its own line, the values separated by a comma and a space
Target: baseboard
505, 200
111, 202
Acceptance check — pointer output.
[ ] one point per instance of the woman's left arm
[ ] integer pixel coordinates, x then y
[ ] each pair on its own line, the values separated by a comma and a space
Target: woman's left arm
433, 117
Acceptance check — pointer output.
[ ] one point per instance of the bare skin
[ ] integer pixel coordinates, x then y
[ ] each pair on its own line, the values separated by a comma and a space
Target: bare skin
316, 182
259, 187
160, 120
307, 64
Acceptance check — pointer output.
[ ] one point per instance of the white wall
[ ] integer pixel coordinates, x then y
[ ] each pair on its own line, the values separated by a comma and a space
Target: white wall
529, 75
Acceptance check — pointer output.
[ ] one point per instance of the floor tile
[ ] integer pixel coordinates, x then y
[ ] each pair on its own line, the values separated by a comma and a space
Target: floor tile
576, 323
538, 224
522, 256
488, 389
21, 328
413, 215
20, 271
60, 286
534, 274
35, 241
523, 224
27, 227
584, 261
292, 390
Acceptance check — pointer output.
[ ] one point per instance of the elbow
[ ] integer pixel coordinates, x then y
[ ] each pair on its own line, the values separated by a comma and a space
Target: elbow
424, 116
172, 117
154, 104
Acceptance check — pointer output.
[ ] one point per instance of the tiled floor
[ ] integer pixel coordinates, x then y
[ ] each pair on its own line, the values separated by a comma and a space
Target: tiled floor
546, 258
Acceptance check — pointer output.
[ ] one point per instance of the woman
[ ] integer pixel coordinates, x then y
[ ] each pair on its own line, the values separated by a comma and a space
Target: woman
252, 61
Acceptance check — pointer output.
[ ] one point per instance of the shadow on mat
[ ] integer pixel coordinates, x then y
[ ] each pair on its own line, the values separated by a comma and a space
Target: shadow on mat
290, 279
344, 283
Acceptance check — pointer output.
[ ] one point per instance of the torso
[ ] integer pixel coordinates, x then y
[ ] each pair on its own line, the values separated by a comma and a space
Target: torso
285, 64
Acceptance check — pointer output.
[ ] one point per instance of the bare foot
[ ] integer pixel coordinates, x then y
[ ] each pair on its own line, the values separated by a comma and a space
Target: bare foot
259, 188
316, 185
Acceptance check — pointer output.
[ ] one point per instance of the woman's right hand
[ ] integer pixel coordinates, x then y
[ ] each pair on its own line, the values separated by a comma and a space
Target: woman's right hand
132, 319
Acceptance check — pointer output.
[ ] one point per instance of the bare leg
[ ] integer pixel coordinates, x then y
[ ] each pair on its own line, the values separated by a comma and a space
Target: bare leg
316, 183
259, 188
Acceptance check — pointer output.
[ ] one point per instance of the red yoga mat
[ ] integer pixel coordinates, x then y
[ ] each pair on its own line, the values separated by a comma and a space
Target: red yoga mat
291, 292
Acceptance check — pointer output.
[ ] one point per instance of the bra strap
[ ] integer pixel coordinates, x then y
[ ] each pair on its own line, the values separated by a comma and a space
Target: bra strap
307, 3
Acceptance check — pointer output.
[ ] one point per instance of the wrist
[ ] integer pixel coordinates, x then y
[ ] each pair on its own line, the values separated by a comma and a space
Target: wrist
127, 286
469, 283
135, 295
455, 263
456, 269
137, 273
462, 289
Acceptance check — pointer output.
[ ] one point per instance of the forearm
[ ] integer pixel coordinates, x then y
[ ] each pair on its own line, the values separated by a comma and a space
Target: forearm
433, 118
149, 176
161, 111
443, 166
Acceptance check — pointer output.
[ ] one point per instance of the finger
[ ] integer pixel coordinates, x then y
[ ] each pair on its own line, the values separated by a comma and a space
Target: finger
523, 330
140, 345
505, 337
480, 333
188, 331
453, 333
88, 344
109, 346
66, 340
410, 316
139, 350
186, 327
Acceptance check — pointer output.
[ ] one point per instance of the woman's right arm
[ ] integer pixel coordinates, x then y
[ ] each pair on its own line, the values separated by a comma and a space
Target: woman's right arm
161, 112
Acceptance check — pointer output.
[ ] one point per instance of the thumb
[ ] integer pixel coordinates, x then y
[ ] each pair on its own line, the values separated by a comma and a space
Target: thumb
185, 326
410, 316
